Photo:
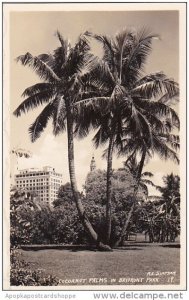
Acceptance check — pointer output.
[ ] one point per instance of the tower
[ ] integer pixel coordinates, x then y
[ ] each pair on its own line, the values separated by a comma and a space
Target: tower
93, 164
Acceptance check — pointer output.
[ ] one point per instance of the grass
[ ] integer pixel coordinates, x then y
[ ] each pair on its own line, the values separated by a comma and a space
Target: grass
129, 265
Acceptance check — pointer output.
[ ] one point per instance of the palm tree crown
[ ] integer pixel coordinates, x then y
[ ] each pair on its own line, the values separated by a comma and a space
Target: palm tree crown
128, 103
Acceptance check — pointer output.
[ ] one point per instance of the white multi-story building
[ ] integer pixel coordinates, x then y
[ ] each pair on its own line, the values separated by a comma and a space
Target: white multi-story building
45, 183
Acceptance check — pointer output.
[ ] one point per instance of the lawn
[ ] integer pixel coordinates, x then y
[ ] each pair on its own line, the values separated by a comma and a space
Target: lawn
139, 264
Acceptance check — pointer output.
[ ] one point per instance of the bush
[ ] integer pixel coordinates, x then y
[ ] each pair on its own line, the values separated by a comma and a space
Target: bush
33, 222
21, 273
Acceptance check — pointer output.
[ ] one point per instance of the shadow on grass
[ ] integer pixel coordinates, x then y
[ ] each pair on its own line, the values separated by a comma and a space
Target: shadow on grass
127, 248
81, 248
171, 246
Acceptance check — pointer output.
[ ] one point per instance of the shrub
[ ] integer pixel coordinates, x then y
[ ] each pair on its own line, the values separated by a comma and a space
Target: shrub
21, 273
33, 222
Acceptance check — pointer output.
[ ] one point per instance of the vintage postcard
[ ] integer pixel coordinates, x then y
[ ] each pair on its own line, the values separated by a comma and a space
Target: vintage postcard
94, 143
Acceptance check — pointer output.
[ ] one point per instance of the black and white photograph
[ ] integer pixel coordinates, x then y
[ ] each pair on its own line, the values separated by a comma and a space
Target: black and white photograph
94, 143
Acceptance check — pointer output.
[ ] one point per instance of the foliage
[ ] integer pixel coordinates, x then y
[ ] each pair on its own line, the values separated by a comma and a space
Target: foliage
171, 190
160, 219
65, 196
32, 223
123, 185
38, 224
22, 206
22, 274
62, 86
35, 223
130, 111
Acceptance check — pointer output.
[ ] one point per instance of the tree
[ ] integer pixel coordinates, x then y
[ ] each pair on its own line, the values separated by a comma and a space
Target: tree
160, 218
126, 100
64, 196
34, 222
171, 190
164, 144
122, 189
132, 165
170, 204
61, 73
22, 206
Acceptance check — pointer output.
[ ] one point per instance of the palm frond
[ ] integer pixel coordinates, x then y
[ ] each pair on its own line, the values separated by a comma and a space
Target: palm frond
170, 99
129, 145
123, 43
33, 102
86, 118
58, 60
78, 56
162, 109
36, 88
45, 57
158, 109
100, 70
140, 125
122, 39
108, 55
156, 123
59, 115
101, 137
155, 85
171, 139
149, 182
95, 102
41, 121
65, 46
163, 150
40, 67
141, 47
149, 174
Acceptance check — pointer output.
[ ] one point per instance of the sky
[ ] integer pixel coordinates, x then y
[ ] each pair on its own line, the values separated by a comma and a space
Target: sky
34, 32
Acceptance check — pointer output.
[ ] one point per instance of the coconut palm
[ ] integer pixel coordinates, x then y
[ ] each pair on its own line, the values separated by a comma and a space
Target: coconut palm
165, 144
161, 218
170, 202
62, 84
126, 98
132, 165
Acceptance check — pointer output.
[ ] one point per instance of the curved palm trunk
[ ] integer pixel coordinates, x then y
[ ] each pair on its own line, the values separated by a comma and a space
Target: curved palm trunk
128, 218
125, 226
81, 211
109, 189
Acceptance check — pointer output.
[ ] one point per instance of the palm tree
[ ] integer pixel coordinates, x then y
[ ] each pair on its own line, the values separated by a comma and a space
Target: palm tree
170, 202
132, 165
126, 98
62, 84
165, 144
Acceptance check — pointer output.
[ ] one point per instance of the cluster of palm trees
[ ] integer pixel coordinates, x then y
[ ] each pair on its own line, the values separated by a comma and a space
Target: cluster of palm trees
130, 111
160, 218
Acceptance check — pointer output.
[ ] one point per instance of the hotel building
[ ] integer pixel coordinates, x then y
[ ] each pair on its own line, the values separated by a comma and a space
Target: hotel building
45, 183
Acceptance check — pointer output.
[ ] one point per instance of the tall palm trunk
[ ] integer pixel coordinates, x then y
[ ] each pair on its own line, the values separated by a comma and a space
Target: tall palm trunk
81, 211
128, 217
109, 189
